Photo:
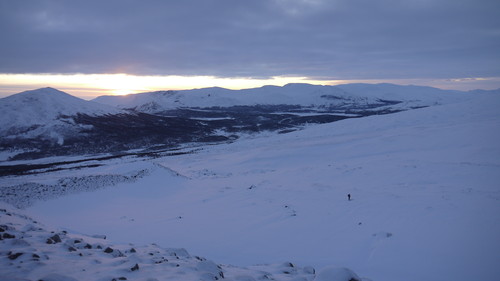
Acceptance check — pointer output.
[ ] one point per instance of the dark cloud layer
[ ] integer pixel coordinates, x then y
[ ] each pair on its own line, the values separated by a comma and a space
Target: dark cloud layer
342, 39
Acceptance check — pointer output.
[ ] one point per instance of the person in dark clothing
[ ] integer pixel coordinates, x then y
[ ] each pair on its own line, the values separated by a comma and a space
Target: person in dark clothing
349, 197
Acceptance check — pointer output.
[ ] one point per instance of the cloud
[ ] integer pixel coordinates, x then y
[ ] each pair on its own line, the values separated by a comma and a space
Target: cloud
341, 39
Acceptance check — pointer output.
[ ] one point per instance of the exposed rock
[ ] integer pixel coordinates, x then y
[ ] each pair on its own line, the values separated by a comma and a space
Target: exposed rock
8, 236
54, 239
14, 256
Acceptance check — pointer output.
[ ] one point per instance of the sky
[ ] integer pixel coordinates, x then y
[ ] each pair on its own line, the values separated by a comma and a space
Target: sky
124, 46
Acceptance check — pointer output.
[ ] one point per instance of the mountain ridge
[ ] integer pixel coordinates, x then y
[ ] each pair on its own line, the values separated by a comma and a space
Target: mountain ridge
290, 94
48, 122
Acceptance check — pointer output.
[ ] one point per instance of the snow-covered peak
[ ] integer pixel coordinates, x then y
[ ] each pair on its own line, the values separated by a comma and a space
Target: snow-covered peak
44, 106
47, 92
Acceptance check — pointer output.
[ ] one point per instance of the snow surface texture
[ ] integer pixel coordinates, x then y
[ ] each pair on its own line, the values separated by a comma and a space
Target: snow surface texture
291, 94
29, 251
424, 184
336, 273
23, 191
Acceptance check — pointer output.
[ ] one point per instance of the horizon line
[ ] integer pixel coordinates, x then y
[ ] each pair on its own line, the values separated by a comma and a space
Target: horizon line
90, 86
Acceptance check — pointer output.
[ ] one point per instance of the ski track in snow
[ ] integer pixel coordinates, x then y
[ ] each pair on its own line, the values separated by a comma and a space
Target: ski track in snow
425, 188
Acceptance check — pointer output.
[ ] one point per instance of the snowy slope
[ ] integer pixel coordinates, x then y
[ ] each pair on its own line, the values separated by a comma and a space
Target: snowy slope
424, 183
291, 94
45, 111
31, 251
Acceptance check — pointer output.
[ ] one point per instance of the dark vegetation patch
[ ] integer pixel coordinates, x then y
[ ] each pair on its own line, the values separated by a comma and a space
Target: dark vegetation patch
27, 169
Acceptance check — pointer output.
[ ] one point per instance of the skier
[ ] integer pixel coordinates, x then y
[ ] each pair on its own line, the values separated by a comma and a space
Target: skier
349, 197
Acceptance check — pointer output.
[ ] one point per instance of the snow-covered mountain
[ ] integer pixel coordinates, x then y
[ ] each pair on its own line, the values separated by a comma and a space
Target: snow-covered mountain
47, 122
45, 112
342, 96
424, 204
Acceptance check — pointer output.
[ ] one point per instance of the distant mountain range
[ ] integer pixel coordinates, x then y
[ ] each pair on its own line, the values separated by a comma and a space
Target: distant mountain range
305, 95
46, 122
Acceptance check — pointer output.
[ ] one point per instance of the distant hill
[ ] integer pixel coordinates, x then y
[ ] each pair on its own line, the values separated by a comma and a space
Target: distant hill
45, 111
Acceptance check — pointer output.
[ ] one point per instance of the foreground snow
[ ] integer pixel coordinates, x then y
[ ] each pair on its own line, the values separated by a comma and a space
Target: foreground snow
29, 251
425, 188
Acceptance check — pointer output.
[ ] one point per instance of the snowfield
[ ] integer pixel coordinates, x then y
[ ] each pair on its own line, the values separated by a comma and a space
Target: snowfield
425, 187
